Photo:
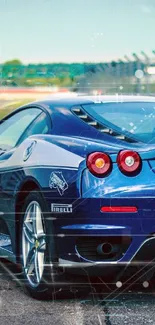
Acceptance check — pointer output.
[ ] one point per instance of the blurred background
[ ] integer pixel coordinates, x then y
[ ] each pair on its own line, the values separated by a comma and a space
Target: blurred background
74, 47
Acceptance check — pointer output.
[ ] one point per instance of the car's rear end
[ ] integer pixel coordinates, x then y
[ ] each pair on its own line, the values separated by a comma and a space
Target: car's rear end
113, 222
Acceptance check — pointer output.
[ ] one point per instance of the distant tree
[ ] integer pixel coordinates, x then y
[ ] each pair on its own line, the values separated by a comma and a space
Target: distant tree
11, 68
13, 62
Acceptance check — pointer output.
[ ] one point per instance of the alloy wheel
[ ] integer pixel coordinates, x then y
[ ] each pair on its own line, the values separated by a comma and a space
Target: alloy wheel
33, 244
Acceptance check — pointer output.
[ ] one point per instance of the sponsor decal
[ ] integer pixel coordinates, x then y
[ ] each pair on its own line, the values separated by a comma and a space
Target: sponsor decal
28, 150
58, 181
61, 208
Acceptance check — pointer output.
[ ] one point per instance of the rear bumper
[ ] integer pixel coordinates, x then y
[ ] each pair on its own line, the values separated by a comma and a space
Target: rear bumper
141, 266
86, 221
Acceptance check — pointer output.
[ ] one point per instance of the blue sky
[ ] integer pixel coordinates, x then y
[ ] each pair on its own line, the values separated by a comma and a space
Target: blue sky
75, 30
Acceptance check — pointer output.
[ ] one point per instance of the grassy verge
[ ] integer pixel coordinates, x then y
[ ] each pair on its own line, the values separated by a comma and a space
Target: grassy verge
9, 108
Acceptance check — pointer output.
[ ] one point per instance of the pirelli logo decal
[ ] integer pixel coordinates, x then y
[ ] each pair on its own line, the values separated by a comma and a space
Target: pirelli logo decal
61, 208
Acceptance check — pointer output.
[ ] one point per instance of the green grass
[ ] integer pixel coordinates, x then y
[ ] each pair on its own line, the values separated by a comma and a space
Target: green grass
9, 108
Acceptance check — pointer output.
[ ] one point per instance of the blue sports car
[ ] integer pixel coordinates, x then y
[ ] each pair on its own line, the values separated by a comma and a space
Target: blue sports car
77, 188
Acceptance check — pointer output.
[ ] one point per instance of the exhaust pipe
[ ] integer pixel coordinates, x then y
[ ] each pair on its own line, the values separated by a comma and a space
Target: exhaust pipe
107, 249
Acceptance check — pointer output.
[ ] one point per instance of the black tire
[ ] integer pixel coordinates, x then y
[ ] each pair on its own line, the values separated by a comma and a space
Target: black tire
48, 286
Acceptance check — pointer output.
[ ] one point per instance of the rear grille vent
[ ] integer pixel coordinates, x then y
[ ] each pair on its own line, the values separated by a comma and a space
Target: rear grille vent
87, 247
78, 111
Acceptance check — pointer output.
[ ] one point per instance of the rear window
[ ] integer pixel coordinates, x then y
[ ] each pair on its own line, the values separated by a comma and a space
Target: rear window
133, 119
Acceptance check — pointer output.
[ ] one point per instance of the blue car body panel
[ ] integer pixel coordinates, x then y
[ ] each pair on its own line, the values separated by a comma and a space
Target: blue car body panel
58, 167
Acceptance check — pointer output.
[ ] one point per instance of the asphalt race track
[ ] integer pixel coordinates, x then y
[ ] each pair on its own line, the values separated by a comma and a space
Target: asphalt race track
111, 308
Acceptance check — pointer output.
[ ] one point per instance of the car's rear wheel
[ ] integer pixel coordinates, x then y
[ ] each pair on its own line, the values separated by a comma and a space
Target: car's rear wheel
37, 248
42, 277
33, 244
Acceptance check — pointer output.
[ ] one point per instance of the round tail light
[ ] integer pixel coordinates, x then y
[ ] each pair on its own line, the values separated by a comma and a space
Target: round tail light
129, 161
99, 164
